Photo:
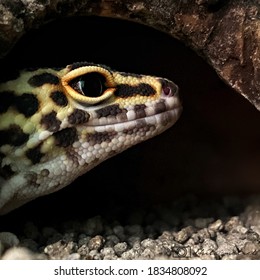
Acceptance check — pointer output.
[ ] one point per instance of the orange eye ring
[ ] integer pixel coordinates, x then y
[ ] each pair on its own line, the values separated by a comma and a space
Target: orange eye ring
76, 73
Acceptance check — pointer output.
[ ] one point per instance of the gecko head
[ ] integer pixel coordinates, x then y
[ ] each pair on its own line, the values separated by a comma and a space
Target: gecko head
58, 124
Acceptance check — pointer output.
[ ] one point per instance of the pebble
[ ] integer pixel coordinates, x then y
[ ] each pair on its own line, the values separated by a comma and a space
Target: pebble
184, 234
96, 243
120, 248
251, 248
216, 226
225, 247
74, 256
232, 223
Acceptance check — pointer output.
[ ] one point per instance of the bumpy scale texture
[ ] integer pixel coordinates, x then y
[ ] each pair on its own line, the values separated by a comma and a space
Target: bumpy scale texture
55, 125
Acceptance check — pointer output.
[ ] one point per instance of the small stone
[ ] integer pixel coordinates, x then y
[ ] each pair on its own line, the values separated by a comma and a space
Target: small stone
74, 256
250, 248
108, 253
147, 254
200, 236
256, 230
137, 247
184, 234
230, 257
148, 243
233, 222
96, 243
83, 250
224, 246
130, 255
239, 229
120, 248
60, 249
95, 255
252, 235
208, 247
216, 226
166, 235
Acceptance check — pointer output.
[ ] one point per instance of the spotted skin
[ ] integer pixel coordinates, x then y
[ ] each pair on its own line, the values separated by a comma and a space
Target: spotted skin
56, 125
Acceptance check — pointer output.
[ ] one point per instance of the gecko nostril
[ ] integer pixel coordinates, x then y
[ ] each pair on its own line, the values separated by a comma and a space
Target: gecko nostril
169, 88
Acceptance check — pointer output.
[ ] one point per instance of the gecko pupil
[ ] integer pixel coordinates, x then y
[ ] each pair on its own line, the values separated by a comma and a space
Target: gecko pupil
91, 84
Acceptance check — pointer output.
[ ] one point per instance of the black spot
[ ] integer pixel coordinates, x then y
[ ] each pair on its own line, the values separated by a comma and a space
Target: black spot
139, 111
59, 98
35, 154
129, 91
111, 110
7, 99
6, 171
66, 137
50, 122
13, 136
41, 79
27, 104
160, 107
78, 117
99, 137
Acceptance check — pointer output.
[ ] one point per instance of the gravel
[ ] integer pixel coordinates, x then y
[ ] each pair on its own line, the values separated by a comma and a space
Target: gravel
165, 232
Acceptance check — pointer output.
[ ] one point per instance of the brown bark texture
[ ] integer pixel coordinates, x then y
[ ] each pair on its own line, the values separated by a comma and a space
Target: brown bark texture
226, 33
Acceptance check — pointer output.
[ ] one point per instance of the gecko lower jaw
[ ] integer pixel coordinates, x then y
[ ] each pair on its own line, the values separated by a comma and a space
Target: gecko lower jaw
160, 121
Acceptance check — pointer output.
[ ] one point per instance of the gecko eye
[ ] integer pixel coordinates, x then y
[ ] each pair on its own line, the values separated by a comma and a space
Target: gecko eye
90, 84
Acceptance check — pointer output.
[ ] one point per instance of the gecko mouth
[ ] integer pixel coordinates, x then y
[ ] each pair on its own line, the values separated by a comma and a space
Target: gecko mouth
158, 116
160, 121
